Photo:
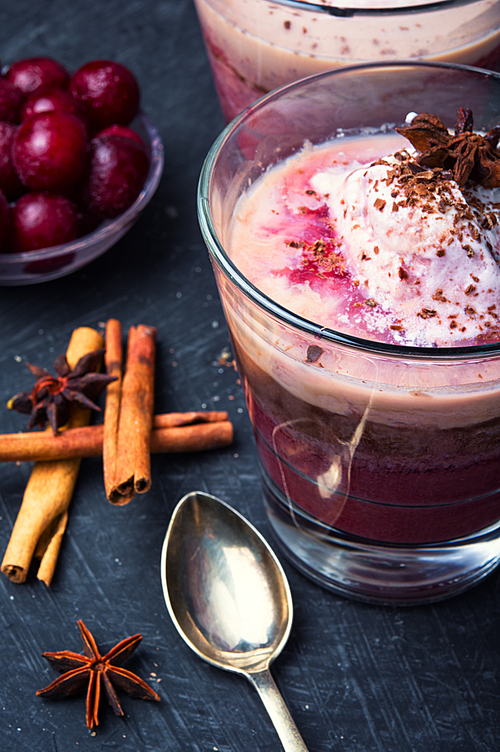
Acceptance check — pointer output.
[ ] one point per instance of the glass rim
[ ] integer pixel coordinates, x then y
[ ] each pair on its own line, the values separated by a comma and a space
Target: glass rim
267, 304
358, 7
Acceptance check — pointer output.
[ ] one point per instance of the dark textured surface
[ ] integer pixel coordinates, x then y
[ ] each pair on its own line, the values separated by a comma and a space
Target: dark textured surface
356, 677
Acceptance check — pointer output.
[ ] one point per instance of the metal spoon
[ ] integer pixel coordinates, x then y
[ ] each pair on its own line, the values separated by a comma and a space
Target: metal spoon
229, 598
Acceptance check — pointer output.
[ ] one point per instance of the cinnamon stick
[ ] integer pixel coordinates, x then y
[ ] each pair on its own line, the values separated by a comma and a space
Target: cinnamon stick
192, 438
49, 545
113, 358
172, 432
132, 468
169, 420
42, 518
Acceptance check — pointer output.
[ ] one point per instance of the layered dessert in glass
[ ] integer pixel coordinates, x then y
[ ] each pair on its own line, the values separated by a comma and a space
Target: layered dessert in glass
357, 257
255, 46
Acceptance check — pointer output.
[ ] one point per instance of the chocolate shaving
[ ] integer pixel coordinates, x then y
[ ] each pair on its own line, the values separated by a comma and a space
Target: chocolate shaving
402, 274
427, 313
438, 295
314, 353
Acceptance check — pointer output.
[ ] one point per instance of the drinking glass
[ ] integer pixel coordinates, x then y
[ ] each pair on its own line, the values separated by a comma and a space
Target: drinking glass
380, 462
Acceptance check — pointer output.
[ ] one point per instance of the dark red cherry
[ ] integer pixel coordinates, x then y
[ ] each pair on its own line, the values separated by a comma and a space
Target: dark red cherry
10, 102
49, 99
41, 220
124, 132
30, 74
108, 92
49, 151
10, 183
117, 171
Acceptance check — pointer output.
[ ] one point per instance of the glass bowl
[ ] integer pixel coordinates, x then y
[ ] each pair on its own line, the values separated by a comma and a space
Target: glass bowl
30, 267
379, 461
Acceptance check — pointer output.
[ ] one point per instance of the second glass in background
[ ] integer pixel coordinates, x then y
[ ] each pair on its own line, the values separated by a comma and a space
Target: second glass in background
255, 46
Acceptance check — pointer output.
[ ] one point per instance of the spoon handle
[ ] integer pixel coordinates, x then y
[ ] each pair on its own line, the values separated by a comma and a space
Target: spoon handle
278, 711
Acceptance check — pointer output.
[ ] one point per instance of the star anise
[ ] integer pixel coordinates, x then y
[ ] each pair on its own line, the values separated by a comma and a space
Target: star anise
94, 669
51, 397
467, 155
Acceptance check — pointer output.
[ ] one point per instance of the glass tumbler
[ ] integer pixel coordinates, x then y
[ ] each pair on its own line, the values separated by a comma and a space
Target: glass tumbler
255, 46
380, 463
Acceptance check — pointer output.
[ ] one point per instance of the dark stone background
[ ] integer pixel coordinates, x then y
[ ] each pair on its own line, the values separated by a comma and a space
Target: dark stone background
356, 677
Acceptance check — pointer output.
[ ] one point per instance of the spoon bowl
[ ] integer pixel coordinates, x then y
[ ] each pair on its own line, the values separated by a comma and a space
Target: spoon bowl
229, 598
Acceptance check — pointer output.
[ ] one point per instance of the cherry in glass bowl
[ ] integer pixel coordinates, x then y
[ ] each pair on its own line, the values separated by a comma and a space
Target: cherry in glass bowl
31, 267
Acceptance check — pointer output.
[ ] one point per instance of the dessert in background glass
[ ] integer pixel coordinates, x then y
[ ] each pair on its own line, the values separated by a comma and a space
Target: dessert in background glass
255, 46
380, 456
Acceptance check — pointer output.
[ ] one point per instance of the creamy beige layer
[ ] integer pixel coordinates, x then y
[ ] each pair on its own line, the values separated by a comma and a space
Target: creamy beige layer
389, 391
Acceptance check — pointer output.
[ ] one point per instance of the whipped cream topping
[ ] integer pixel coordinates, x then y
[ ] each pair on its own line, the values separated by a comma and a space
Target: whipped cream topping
422, 251
374, 245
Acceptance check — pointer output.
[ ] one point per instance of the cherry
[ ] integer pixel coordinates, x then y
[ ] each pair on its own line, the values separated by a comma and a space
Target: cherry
31, 73
48, 99
50, 150
108, 91
117, 171
10, 102
10, 183
124, 132
41, 220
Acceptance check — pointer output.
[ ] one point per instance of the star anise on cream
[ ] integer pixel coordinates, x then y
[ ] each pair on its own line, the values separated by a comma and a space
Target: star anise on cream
467, 155
94, 670
51, 397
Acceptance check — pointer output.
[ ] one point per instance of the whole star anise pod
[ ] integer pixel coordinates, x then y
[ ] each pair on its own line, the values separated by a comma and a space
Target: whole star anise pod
51, 397
93, 670
467, 155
